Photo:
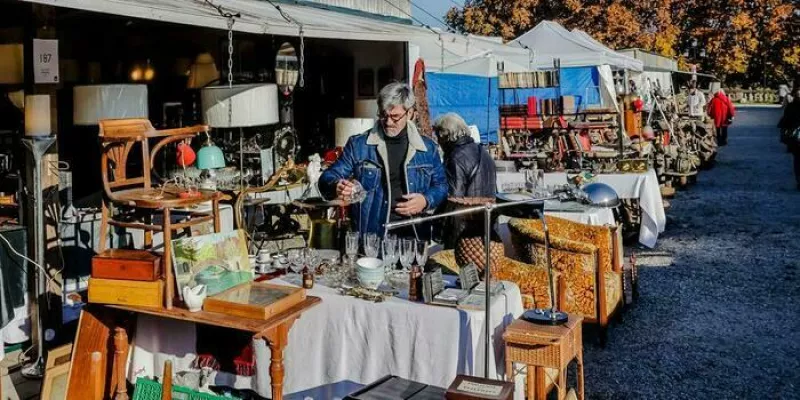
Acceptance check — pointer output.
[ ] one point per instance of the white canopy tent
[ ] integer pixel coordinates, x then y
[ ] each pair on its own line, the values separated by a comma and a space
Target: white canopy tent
484, 66
256, 17
442, 50
549, 40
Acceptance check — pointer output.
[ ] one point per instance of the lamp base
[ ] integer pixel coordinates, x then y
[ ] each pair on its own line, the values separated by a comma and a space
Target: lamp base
34, 369
543, 316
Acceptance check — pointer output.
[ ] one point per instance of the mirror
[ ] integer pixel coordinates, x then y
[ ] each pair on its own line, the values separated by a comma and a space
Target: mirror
286, 67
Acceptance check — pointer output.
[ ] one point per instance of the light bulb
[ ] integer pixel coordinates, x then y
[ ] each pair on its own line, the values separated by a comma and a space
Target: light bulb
149, 73
136, 74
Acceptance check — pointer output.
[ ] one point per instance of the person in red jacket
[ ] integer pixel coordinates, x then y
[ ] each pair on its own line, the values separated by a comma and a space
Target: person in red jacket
721, 110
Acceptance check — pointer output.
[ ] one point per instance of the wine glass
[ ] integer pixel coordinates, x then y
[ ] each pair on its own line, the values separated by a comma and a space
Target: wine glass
421, 250
372, 245
407, 253
311, 258
295, 259
351, 246
389, 248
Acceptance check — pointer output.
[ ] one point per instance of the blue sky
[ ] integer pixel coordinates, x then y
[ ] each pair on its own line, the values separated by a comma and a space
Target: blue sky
436, 7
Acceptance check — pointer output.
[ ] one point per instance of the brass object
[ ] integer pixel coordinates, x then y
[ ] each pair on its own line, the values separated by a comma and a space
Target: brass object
637, 165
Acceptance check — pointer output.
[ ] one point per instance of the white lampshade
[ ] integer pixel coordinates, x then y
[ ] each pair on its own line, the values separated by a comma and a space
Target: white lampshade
346, 127
37, 115
11, 64
366, 108
251, 105
97, 102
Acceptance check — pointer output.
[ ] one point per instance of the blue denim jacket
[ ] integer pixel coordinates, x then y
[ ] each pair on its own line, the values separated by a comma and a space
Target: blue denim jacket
364, 159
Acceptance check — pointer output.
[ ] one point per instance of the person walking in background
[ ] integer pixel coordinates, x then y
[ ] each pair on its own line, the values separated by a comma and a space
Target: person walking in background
721, 110
789, 123
696, 101
783, 94
470, 173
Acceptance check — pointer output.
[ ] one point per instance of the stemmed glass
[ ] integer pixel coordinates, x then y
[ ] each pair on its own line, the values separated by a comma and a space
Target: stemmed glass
421, 249
390, 249
372, 245
311, 258
295, 259
351, 246
407, 253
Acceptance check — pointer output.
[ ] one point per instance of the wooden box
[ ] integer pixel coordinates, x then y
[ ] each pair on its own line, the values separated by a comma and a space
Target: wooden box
132, 265
255, 300
128, 293
474, 388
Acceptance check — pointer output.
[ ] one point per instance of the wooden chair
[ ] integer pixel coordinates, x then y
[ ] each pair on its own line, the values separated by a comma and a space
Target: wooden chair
131, 201
589, 260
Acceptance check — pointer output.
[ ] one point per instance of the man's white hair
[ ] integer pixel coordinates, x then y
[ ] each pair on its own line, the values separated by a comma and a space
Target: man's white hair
395, 94
450, 127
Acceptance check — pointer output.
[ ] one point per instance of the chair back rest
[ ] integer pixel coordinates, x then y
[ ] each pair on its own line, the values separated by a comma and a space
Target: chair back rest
117, 138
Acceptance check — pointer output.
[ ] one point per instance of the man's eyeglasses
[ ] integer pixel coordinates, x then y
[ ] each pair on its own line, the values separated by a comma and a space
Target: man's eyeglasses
394, 118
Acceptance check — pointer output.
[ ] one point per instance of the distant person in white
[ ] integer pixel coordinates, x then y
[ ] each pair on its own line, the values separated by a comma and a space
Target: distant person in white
696, 102
783, 94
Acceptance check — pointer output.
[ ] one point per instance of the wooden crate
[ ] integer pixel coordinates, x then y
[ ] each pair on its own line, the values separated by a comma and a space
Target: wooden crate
124, 292
133, 265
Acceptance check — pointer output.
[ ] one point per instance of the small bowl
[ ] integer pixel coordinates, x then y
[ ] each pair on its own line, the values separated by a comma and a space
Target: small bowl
369, 263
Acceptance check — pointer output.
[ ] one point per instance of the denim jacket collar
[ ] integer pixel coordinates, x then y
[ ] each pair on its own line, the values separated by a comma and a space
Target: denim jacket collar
375, 137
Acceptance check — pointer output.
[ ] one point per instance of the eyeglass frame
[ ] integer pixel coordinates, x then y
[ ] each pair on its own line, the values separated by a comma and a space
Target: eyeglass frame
383, 117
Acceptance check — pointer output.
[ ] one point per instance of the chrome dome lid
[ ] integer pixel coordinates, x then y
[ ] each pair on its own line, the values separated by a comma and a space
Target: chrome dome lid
601, 195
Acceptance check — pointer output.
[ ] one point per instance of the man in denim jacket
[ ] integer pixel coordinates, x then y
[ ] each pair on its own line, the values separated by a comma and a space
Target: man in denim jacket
398, 168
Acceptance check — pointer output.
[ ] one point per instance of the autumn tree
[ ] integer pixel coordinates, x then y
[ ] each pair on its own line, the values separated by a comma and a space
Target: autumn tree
748, 40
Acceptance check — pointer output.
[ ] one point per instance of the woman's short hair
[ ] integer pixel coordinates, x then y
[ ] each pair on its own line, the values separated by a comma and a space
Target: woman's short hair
395, 94
450, 127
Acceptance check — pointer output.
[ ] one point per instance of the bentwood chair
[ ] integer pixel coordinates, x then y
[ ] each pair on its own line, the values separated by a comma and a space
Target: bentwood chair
132, 202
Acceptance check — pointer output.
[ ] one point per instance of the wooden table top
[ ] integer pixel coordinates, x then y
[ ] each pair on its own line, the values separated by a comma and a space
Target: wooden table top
256, 326
521, 331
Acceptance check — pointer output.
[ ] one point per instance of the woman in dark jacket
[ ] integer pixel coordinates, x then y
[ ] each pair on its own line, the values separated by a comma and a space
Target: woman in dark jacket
788, 124
470, 173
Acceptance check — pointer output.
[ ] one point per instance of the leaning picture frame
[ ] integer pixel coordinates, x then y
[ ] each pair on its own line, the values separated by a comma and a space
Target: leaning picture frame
54, 384
217, 260
58, 356
366, 82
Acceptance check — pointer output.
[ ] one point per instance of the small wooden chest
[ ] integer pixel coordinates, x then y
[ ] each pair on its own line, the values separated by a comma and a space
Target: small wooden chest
132, 265
127, 293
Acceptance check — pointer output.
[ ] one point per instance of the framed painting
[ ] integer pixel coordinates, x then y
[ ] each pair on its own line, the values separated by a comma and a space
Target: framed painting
217, 260
58, 356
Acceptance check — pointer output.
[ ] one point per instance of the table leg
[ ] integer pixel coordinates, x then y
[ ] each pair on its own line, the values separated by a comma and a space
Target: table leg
562, 383
166, 260
120, 357
277, 339
530, 379
580, 376
541, 382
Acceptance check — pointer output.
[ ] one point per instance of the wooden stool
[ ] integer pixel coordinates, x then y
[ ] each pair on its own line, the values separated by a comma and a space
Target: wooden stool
544, 346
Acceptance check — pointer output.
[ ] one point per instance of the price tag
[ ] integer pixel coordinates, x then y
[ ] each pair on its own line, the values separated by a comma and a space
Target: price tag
45, 61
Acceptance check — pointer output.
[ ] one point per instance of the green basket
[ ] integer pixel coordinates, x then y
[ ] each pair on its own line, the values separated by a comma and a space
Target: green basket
147, 389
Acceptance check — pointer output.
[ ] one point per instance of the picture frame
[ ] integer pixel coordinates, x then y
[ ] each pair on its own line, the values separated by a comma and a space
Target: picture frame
58, 356
385, 76
217, 260
366, 82
54, 384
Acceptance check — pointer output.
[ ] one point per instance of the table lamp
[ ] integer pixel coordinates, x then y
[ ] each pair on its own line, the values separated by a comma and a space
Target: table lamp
598, 195
11, 68
346, 127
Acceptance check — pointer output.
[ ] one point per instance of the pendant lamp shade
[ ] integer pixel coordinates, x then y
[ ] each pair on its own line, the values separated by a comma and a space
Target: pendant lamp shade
37, 115
202, 72
250, 105
97, 102
11, 64
210, 157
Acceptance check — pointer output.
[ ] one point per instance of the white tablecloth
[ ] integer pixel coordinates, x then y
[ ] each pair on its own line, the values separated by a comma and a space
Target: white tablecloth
643, 186
345, 340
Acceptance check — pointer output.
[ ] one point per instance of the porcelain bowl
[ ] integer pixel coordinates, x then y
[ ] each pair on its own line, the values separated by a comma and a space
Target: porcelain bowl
369, 272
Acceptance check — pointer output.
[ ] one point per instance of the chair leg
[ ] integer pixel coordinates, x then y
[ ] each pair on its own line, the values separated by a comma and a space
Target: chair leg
104, 217
148, 234
167, 260
215, 210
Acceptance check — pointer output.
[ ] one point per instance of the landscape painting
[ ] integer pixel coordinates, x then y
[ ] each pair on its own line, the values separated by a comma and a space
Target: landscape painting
217, 260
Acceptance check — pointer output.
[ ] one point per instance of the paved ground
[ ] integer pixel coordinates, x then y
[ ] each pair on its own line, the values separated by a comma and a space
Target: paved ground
720, 319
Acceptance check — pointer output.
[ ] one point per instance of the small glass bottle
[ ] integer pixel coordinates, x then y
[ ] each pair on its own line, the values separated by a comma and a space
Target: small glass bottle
308, 278
414, 288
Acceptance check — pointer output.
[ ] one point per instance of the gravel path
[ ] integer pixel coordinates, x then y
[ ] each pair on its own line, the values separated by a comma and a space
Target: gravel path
720, 319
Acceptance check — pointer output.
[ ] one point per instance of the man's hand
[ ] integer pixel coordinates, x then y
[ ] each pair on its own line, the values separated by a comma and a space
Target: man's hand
413, 205
344, 189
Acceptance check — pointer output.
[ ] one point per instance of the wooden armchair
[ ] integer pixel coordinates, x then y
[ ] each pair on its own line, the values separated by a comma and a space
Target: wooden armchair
591, 281
131, 201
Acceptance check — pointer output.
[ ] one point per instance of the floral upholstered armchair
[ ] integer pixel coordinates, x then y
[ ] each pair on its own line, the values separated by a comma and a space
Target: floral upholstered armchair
590, 271
532, 279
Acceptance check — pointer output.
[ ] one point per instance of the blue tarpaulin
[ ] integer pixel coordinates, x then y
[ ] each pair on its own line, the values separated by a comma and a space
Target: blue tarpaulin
477, 99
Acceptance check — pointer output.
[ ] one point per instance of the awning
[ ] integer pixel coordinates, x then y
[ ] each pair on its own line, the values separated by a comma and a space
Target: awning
257, 17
